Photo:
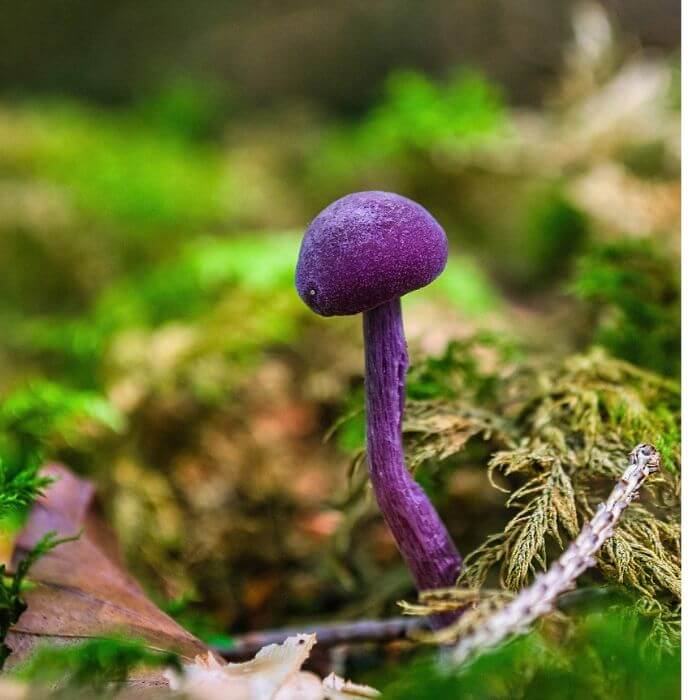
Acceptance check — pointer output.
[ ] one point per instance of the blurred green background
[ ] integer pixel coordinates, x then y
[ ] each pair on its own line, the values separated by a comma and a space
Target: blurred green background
158, 164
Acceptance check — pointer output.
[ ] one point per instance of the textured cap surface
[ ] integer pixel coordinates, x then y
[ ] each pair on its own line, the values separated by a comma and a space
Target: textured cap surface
366, 249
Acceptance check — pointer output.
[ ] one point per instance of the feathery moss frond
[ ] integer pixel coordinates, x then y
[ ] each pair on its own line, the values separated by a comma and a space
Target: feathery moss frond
30, 418
559, 435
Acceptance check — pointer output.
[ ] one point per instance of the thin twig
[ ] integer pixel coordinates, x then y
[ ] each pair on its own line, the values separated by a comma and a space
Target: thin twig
327, 635
539, 598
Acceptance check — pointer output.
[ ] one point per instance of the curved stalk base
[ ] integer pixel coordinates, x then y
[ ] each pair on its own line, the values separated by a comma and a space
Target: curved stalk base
419, 532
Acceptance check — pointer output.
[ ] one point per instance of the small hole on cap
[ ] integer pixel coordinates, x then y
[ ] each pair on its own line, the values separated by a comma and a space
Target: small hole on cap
312, 292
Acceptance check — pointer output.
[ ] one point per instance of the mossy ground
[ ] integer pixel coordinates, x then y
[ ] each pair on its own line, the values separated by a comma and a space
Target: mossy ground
152, 339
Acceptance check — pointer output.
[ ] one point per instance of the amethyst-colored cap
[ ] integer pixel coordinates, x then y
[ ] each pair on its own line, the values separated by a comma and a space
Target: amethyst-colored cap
366, 249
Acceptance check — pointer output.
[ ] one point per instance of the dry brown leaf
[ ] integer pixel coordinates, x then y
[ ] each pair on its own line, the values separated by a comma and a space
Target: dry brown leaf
81, 589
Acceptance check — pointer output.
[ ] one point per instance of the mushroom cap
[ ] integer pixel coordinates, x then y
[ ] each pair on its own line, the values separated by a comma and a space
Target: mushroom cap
365, 249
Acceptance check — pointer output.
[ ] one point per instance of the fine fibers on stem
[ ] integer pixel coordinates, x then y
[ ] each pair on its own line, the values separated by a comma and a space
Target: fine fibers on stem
421, 535
540, 598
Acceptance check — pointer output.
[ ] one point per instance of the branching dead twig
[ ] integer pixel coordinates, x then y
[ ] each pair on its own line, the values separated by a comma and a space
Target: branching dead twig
327, 635
539, 598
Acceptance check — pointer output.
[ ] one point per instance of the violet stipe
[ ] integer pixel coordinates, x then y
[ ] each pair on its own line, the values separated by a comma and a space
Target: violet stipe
361, 254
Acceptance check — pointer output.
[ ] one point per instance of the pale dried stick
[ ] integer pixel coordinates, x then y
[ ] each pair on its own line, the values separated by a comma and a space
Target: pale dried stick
328, 635
539, 598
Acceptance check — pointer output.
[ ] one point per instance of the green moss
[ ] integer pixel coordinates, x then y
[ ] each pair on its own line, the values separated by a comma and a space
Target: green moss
553, 232
605, 656
632, 290
32, 419
94, 668
415, 117
118, 168
417, 113
559, 434
463, 286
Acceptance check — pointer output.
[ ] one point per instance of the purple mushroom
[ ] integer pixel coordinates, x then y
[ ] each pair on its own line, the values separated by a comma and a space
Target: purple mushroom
361, 254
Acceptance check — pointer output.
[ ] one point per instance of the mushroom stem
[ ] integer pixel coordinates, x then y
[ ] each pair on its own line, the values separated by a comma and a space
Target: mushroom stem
419, 532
